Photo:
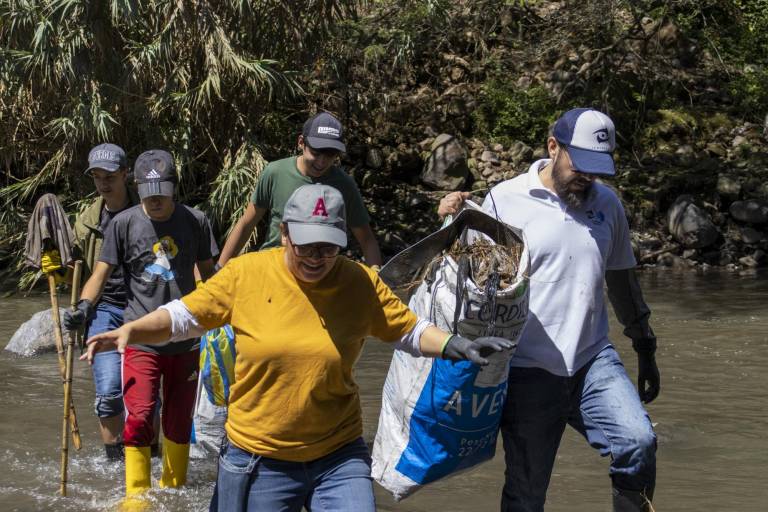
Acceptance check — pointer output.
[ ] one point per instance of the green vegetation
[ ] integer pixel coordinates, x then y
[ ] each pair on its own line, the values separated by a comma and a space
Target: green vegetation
198, 78
225, 85
507, 113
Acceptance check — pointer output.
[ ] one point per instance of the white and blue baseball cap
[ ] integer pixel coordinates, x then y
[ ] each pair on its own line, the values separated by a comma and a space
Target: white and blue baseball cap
590, 138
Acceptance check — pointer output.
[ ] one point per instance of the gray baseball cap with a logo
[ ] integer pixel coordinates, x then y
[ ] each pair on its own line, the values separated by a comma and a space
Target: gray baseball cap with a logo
316, 214
155, 173
109, 157
323, 131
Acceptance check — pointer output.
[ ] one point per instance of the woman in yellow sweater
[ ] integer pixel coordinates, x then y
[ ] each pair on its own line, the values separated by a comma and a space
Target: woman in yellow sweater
300, 315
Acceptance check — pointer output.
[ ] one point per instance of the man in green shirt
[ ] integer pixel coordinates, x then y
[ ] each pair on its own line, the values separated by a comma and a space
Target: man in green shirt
320, 143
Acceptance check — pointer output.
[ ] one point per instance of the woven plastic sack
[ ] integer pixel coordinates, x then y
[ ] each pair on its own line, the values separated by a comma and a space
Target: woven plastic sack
440, 417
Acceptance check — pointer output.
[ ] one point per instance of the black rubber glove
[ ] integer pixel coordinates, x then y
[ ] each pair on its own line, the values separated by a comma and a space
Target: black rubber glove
459, 348
648, 379
74, 319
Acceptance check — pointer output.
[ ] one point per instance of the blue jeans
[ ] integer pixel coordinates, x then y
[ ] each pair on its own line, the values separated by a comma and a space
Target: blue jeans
338, 482
107, 378
600, 402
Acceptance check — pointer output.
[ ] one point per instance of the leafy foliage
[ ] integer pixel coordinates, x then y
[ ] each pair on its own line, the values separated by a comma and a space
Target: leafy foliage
507, 113
196, 78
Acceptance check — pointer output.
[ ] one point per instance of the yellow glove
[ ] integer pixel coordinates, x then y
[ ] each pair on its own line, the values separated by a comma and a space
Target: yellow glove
50, 262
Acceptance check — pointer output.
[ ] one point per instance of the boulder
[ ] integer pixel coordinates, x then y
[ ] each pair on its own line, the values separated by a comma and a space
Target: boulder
728, 187
762, 191
716, 149
707, 165
374, 158
690, 225
404, 161
446, 168
520, 152
738, 141
490, 157
750, 236
35, 336
749, 261
474, 169
751, 211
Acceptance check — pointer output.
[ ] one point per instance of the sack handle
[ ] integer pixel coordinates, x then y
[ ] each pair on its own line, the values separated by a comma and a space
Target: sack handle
461, 280
491, 288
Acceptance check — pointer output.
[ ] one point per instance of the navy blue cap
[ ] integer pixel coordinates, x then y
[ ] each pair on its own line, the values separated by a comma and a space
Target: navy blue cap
590, 137
323, 131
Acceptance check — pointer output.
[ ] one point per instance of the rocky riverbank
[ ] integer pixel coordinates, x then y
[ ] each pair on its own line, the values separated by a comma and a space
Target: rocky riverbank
703, 206
468, 104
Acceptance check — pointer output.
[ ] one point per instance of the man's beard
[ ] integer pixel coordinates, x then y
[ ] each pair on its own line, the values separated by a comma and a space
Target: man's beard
574, 199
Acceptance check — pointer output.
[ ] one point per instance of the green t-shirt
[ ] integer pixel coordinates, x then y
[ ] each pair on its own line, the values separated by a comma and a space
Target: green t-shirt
278, 181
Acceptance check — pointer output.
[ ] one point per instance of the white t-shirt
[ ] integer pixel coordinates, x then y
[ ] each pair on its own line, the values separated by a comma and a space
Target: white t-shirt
570, 250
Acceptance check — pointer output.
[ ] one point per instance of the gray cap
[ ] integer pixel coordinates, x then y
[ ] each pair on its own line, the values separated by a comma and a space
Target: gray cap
315, 214
155, 173
323, 131
109, 157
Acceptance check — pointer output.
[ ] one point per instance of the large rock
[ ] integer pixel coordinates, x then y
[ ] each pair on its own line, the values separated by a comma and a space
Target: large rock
751, 236
403, 162
35, 336
520, 153
374, 158
753, 212
446, 167
728, 187
762, 191
690, 225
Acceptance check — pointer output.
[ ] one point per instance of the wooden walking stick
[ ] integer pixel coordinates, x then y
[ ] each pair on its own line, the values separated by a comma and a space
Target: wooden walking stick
76, 441
68, 409
49, 248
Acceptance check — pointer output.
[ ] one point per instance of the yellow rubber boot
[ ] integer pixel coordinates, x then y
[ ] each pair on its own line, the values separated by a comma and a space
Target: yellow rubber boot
138, 472
175, 460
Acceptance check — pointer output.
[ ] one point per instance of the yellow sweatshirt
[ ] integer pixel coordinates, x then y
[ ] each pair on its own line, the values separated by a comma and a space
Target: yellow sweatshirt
294, 397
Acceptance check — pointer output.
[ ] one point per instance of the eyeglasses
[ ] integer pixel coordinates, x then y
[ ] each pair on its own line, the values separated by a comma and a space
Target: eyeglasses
315, 250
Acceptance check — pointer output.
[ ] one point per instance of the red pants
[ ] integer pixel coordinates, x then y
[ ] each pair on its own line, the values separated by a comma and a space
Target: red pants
141, 384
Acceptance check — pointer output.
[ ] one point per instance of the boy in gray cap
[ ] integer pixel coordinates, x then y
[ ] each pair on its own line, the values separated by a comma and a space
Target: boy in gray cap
321, 142
157, 245
108, 168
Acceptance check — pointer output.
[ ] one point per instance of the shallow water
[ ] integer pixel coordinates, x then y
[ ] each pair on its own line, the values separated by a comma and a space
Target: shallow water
711, 418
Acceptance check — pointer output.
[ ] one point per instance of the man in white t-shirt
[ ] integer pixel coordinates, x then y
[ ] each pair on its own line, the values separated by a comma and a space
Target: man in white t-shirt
565, 370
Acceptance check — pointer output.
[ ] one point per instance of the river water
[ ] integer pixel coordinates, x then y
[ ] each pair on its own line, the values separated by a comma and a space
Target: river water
711, 418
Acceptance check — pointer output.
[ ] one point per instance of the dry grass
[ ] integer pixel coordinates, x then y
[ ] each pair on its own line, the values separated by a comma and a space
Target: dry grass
486, 258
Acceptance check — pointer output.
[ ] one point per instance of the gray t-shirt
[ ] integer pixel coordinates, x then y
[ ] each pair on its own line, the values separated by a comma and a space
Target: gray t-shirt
158, 260
114, 288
